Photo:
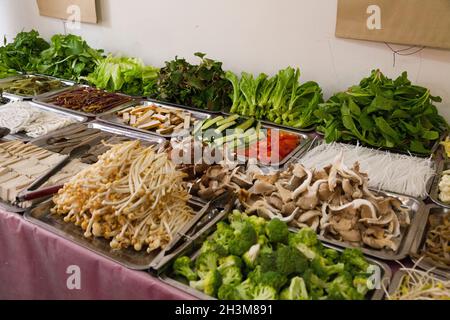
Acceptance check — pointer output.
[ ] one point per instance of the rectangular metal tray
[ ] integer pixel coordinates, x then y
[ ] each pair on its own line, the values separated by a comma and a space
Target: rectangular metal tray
25, 138
419, 241
397, 281
45, 98
180, 106
8, 95
41, 216
112, 118
191, 248
434, 192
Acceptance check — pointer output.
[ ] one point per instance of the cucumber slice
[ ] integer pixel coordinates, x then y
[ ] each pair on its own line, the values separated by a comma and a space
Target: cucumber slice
245, 125
208, 123
231, 118
225, 126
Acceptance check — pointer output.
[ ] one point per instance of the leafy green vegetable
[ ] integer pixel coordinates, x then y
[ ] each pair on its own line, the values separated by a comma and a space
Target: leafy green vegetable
202, 86
127, 75
69, 57
382, 112
6, 72
280, 99
303, 269
19, 54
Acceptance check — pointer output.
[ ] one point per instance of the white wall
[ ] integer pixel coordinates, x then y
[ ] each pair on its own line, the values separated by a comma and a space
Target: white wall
250, 35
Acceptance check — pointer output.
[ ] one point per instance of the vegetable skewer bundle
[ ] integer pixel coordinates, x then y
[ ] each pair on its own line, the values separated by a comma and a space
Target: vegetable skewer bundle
133, 196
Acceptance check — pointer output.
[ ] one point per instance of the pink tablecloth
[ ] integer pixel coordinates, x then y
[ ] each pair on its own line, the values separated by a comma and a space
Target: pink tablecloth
34, 265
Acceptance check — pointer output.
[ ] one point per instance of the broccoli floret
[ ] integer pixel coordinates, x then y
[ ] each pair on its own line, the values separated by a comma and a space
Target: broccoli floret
331, 254
315, 285
295, 291
206, 262
277, 231
210, 284
361, 283
229, 261
267, 260
341, 288
236, 219
289, 260
354, 261
264, 241
212, 246
306, 242
258, 223
182, 267
264, 292
271, 278
231, 275
228, 292
244, 290
325, 268
244, 238
223, 235
251, 255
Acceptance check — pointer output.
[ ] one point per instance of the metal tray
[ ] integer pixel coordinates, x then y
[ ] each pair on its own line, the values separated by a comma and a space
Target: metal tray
398, 278
112, 118
8, 95
434, 192
191, 248
419, 242
23, 137
45, 98
41, 216
180, 106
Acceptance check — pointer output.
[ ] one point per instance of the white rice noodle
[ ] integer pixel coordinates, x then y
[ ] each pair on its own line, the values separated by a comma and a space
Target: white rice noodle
387, 171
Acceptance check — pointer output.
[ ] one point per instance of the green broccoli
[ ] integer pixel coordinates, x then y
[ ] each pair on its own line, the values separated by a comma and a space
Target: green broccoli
270, 278
341, 288
223, 235
182, 267
325, 268
306, 242
229, 261
361, 283
236, 219
244, 290
244, 238
267, 260
315, 285
228, 292
331, 254
264, 241
206, 262
277, 231
354, 261
295, 291
258, 223
231, 275
289, 260
210, 284
264, 292
212, 246
251, 256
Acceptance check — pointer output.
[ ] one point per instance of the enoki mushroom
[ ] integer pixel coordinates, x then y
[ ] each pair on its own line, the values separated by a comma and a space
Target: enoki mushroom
133, 196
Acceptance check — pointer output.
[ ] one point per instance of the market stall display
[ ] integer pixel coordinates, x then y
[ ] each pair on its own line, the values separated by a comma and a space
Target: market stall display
132, 196
280, 99
20, 165
248, 258
403, 174
31, 119
87, 100
386, 113
30, 85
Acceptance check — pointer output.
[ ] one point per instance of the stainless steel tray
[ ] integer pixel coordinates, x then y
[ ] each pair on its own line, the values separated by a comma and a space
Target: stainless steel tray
191, 248
8, 95
23, 137
180, 106
46, 98
41, 216
419, 242
434, 192
397, 281
112, 118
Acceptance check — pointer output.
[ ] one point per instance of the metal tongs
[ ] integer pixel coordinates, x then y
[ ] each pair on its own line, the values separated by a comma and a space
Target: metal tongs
223, 203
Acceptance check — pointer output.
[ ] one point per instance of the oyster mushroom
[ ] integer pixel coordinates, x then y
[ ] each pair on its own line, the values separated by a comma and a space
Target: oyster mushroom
350, 235
310, 199
304, 186
356, 204
262, 187
379, 243
305, 216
